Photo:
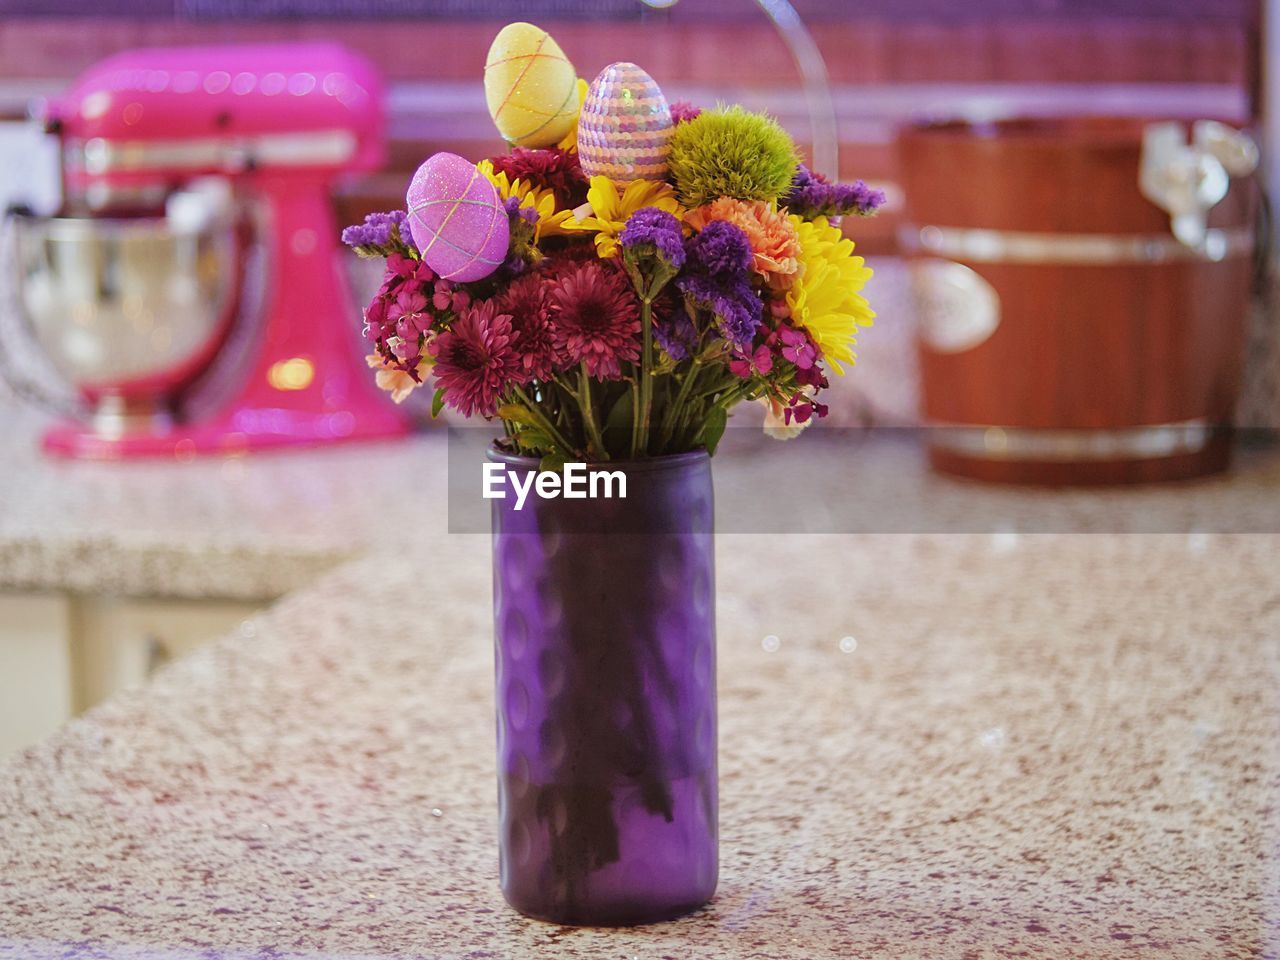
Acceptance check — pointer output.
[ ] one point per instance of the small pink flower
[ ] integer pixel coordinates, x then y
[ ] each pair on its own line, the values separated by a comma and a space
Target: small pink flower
442, 298
449, 297
760, 362
798, 348
783, 422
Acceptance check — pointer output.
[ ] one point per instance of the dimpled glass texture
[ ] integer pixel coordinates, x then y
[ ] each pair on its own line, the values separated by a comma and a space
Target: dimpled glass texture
605, 653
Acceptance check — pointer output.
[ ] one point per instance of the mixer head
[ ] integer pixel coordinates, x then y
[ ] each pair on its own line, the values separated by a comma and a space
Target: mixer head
139, 124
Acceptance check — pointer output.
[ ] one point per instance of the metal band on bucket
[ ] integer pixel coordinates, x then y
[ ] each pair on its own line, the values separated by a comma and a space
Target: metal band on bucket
1149, 442
977, 245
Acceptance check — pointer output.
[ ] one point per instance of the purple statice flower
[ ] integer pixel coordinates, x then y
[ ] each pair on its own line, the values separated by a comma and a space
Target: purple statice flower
721, 249
682, 111
717, 277
515, 211
813, 195
857, 198
651, 229
736, 305
381, 234
524, 227
675, 332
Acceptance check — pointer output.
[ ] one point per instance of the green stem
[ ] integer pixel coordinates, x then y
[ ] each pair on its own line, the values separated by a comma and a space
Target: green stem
635, 415
719, 387
588, 413
547, 426
731, 397
640, 441
674, 408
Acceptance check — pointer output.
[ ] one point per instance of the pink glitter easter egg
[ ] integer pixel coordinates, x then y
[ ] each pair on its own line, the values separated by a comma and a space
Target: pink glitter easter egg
624, 132
457, 219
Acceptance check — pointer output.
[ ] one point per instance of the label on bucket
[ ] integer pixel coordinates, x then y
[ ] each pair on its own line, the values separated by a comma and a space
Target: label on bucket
957, 308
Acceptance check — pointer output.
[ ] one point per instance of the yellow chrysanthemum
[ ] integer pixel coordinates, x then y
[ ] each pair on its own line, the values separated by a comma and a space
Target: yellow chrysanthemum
543, 202
824, 298
610, 210
570, 139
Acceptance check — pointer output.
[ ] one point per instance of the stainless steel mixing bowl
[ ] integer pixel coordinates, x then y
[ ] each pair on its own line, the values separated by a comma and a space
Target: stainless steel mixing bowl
129, 311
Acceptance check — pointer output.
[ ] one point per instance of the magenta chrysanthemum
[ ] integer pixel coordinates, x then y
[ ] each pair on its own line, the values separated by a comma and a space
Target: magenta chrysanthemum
555, 170
527, 301
475, 361
595, 319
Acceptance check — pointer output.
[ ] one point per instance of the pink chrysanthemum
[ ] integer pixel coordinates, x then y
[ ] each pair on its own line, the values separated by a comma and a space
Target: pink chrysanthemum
595, 319
527, 301
474, 361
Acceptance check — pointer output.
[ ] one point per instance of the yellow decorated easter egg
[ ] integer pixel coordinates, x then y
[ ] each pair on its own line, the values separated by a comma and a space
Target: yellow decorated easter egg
531, 86
625, 130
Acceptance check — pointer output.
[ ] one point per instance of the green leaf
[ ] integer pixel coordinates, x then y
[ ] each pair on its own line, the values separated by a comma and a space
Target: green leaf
532, 440
713, 429
437, 403
515, 413
617, 425
553, 462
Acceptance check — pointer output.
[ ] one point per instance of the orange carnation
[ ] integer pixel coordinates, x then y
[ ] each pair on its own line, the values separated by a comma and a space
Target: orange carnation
775, 247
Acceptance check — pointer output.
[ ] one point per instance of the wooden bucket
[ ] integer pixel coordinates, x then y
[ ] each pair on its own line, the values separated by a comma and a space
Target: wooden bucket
1066, 336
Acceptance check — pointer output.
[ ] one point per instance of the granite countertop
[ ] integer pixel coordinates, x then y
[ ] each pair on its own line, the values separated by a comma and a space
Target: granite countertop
960, 746
245, 528
254, 528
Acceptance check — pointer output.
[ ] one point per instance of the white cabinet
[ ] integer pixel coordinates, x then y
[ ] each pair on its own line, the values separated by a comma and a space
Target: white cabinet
35, 668
60, 654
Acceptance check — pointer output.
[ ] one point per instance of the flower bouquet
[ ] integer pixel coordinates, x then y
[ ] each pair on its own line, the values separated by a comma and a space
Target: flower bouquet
608, 291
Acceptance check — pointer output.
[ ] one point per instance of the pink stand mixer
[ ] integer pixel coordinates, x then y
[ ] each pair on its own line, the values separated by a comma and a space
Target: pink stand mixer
180, 166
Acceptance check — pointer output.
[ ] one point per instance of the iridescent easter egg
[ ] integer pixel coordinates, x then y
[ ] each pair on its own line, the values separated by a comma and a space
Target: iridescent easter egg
625, 129
531, 87
457, 219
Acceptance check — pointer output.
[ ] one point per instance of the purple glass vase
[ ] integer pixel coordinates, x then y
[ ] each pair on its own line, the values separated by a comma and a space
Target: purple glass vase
604, 613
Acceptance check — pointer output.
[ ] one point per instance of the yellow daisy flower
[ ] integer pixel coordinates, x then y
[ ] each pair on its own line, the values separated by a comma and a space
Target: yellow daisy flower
550, 220
824, 298
610, 210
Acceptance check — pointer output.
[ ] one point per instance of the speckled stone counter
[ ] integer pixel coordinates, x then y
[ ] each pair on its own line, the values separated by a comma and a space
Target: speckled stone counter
939, 747
245, 528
